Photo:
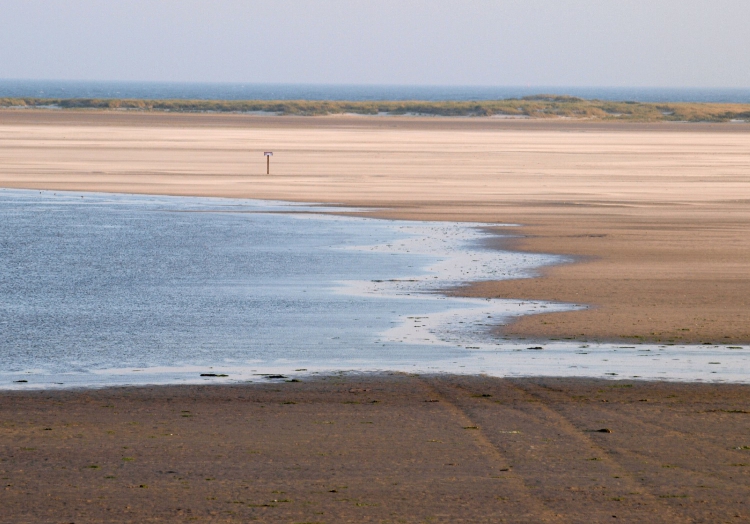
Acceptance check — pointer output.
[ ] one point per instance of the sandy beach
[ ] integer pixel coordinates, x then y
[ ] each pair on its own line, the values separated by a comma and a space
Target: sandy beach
656, 215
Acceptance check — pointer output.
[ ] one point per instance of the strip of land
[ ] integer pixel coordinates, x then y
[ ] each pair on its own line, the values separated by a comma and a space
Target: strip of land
535, 106
657, 216
379, 449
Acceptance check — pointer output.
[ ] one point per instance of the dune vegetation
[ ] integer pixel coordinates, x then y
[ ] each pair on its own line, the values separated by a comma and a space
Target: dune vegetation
537, 106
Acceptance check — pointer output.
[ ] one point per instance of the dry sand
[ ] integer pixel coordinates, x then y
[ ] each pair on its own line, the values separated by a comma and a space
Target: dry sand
379, 449
658, 214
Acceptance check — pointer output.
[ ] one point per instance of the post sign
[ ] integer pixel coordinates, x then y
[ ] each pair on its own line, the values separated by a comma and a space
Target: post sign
268, 153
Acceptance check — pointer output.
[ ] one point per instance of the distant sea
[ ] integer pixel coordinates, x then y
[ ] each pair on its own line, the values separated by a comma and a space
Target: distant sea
250, 91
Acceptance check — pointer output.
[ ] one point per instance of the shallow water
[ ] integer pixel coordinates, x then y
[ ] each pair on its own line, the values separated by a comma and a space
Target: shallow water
100, 289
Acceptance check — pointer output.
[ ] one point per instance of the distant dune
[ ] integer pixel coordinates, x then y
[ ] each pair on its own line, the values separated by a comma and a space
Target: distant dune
537, 106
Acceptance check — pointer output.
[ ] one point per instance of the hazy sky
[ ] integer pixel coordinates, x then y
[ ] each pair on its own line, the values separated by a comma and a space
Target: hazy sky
680, 43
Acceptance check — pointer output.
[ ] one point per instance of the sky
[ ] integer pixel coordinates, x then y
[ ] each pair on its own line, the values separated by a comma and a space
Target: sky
629, 43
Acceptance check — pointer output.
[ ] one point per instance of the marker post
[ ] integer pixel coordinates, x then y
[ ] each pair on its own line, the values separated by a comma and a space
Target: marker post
268, 155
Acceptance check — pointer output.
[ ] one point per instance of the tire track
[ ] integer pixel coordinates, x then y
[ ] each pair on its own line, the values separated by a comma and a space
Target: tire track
572, 453
696, 447
538, 510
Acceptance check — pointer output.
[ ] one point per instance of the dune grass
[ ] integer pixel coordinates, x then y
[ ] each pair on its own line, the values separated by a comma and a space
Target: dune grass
537, 106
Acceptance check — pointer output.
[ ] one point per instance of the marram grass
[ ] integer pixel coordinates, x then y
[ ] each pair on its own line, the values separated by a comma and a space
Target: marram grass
538, 106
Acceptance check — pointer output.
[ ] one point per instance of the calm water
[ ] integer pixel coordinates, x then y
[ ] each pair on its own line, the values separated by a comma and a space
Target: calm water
102, 289
203, 91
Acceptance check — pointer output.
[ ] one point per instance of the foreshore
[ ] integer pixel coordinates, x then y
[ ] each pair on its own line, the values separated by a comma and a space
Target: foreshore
656, 215
380, 448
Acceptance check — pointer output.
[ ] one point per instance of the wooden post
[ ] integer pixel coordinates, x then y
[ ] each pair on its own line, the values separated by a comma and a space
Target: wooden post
268, 155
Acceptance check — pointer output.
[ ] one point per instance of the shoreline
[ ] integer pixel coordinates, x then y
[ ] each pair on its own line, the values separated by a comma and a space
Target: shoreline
137, 118
630, 228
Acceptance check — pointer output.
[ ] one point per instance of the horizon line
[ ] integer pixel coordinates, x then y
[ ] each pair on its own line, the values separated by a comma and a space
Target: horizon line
371, 85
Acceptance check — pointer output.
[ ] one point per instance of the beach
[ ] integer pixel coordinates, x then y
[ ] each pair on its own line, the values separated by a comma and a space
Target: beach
656, 214
653, 218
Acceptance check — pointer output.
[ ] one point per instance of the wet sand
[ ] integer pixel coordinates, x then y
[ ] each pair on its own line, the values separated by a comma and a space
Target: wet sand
657, 215
379, 449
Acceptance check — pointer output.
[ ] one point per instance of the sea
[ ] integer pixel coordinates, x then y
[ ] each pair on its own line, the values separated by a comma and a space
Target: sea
253, 91
114, 289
